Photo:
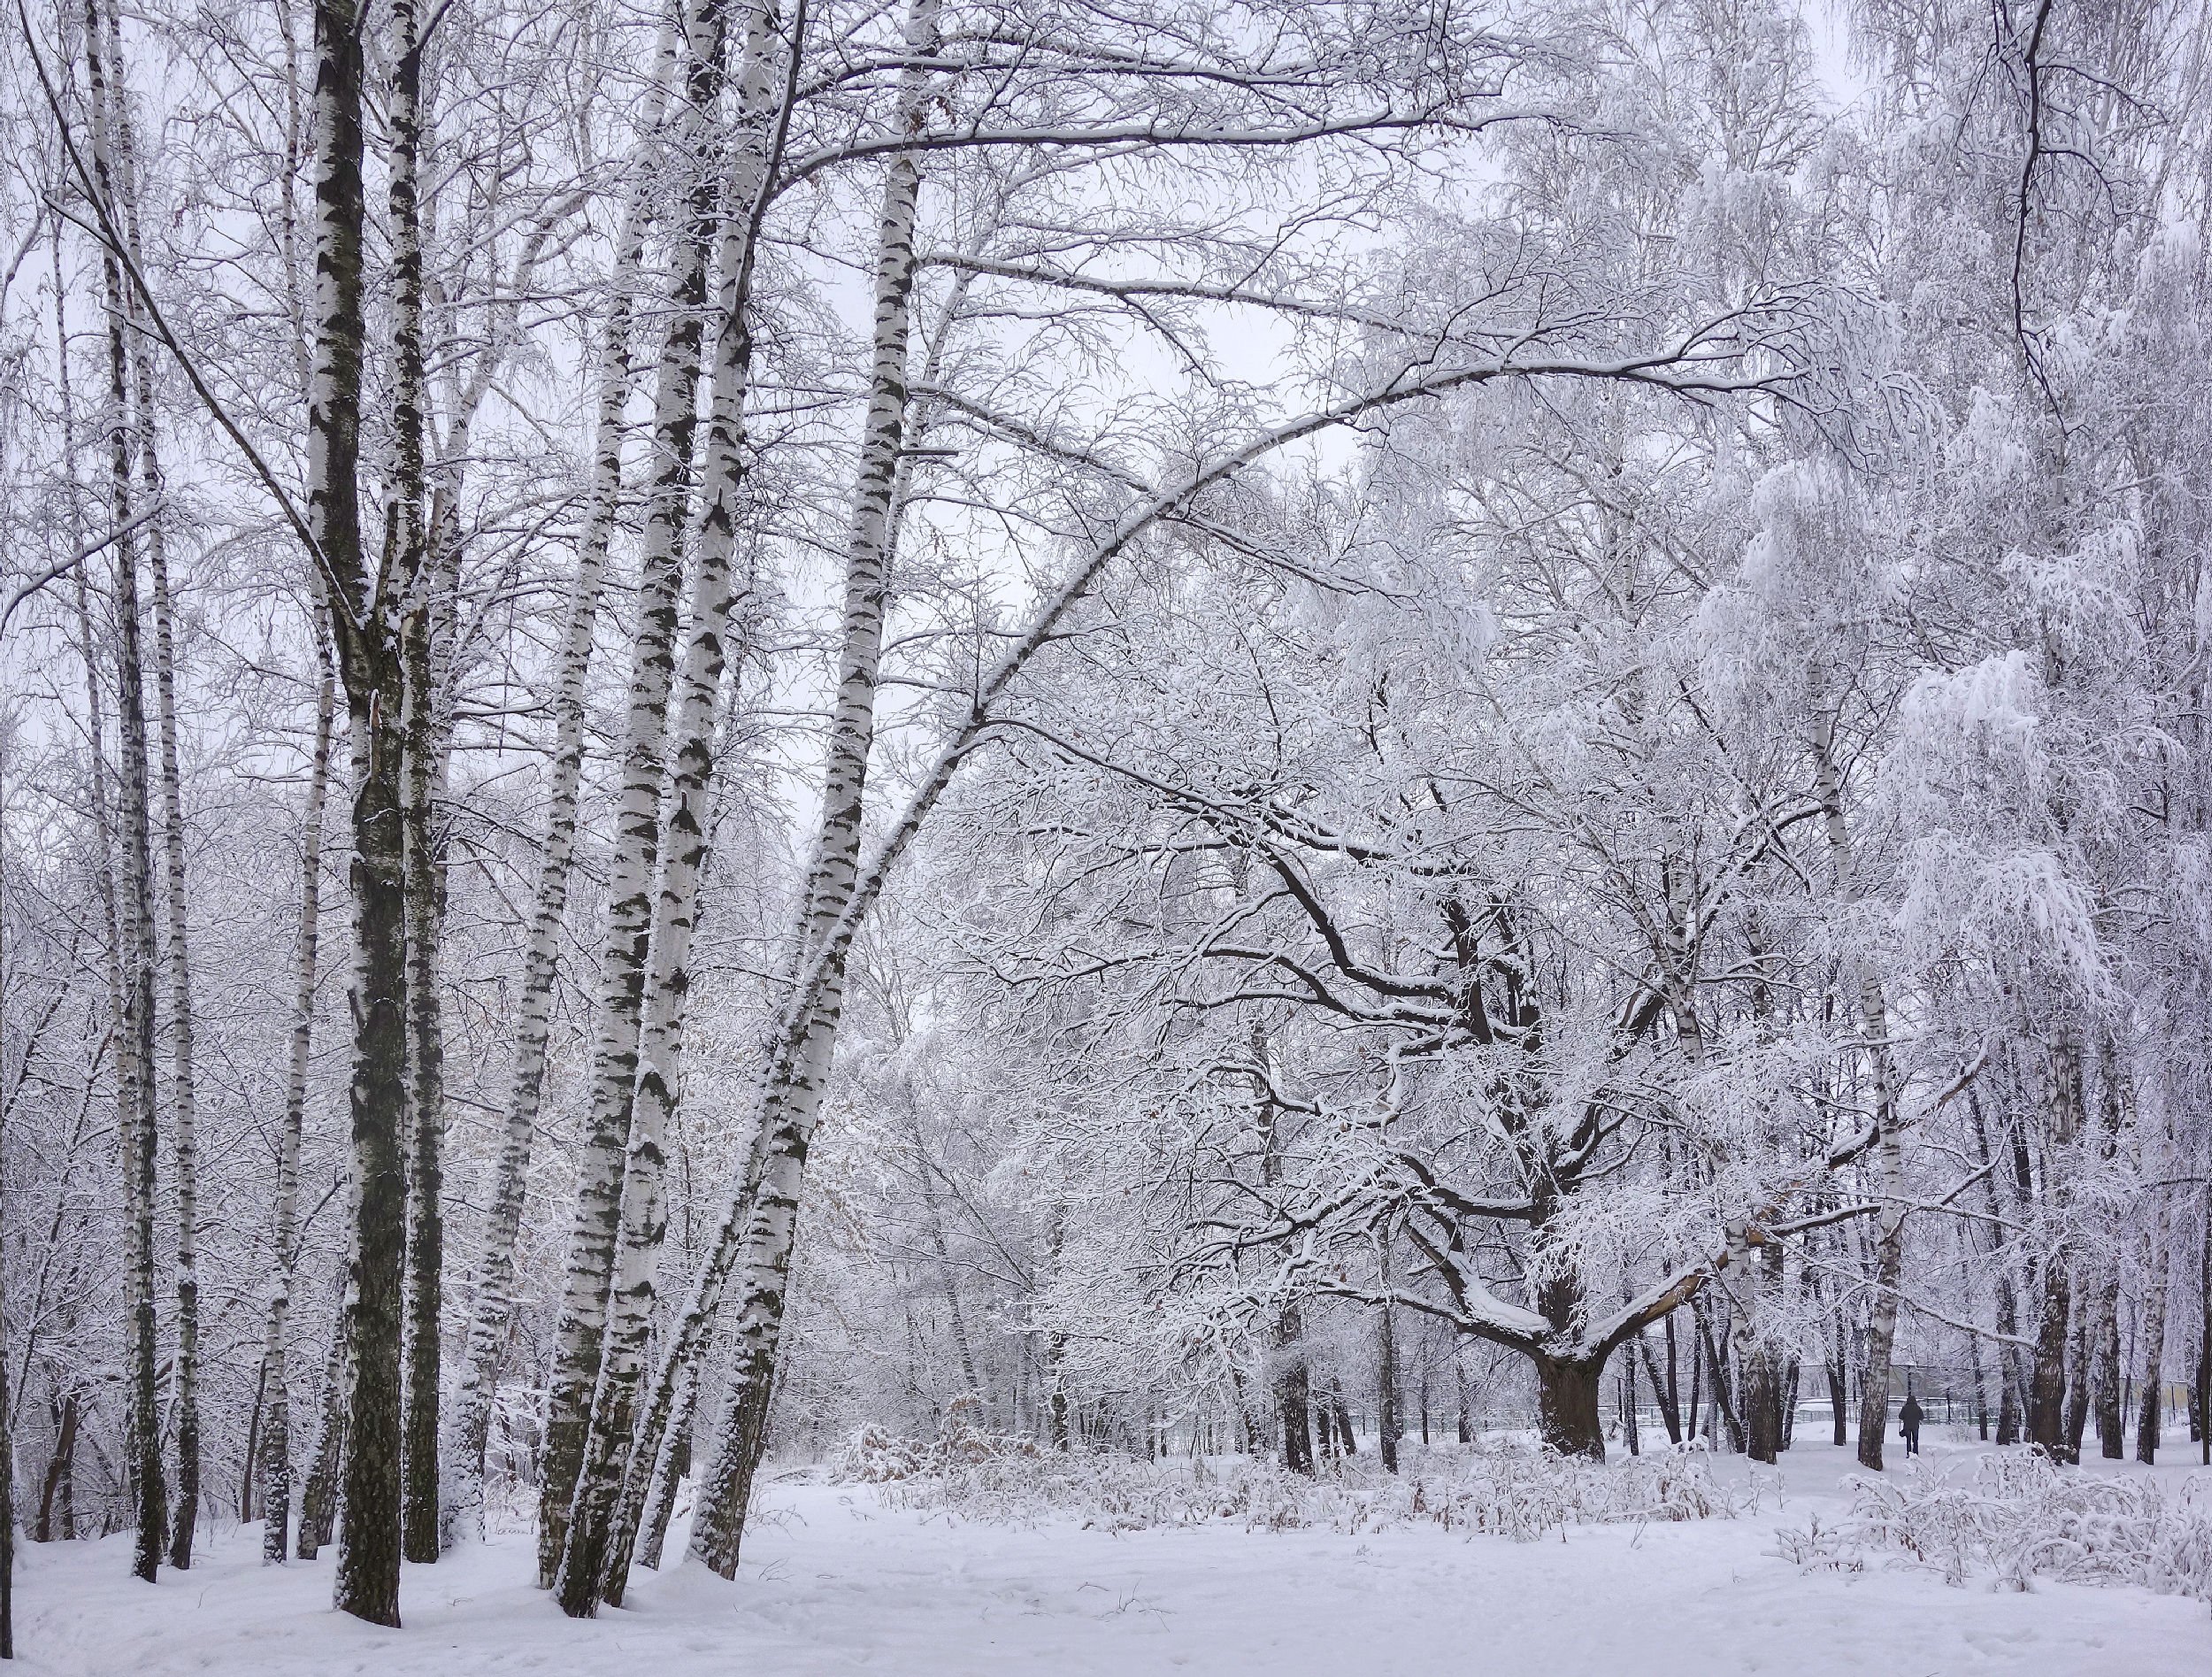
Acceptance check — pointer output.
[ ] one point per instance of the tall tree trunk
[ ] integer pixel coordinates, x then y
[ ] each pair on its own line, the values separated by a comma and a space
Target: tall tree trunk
1387, 1422
2149, 1416
60, 1475
2047, 1392
603, 1520
367, 1576
134, 1059
318, 1495
152, 488
2009, 1405
580, 1341
1888, 1143
1759, 1358
2104, 1348
492, 1309
1662, 1386
274, 1459
726, 1489
423, 909
2204, 1334
674, 1467
56, 1497
1291, 1384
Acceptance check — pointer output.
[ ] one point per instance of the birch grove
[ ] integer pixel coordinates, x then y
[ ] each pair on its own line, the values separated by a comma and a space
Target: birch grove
740, 734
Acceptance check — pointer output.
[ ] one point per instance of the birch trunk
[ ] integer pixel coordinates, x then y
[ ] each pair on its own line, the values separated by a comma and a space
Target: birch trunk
318, 1496
185, 1366
592, 1542
725, 1491
61, 1484
411, 538
274, 1456
580, 1337
469, 1422
1888, 1149
133, 923
674, 1467
181, 1094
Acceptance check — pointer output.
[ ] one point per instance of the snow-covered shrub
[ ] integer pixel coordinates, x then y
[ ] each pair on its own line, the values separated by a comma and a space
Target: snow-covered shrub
1515, 1491
878, 1457
2016, 1517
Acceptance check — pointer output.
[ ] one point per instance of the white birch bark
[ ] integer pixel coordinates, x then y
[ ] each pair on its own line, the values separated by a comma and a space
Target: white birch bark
589, 1268
185, 1369
725, 1491
273, 1469
468, 1421
134, 1059
761, 88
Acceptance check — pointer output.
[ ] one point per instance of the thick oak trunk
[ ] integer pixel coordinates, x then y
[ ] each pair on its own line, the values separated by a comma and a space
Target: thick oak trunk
1567, 1415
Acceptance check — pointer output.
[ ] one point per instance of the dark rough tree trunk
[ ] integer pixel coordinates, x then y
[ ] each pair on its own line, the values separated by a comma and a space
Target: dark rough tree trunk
2203, 1384
2046, 1391
1386, 1382
2080, 1373
2150, 1414
56, 1497
1293, 1389
1567, 1412
361, 610
1762, 1360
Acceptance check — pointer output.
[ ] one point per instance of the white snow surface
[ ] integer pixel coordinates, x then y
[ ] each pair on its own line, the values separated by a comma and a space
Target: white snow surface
834, 1582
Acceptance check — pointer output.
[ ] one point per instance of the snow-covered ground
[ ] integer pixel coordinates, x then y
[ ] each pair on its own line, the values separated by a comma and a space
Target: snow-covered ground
840, 1584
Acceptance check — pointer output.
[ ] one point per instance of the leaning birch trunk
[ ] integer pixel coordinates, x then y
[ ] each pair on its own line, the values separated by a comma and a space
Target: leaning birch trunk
318, 1495
135, 1057
584, 1573
274, 1466
668, 1473
725, 1491
581, 1334
412, 537
469, 1418
755, 1223
1888, 1144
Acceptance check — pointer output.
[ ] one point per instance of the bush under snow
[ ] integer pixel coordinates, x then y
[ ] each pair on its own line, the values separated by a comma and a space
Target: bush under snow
1515, 1491
2016, 1517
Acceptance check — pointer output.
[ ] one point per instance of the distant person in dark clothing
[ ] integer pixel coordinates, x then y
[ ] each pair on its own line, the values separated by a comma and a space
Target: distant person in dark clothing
1908, 1418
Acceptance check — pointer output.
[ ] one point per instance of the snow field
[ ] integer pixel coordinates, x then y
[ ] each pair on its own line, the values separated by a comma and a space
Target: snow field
836, 1582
